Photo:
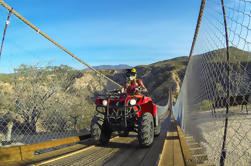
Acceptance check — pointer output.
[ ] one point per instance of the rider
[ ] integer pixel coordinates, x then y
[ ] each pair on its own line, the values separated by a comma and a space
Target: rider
133, 84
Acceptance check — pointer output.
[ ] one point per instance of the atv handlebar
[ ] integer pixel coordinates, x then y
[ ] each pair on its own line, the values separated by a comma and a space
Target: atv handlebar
117, 92
141, 91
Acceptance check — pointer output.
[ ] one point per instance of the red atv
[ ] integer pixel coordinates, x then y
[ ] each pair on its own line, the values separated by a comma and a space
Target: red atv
124, 113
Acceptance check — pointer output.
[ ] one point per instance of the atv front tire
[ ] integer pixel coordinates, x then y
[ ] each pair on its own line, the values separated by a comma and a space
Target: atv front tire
106, 133
123, 133
146, 130
96, 125
157, 128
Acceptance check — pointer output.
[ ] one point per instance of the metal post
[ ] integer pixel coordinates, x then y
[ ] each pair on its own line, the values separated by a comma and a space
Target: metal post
223, 150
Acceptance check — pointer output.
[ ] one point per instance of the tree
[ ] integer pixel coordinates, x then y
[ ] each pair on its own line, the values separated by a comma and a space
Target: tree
33, 91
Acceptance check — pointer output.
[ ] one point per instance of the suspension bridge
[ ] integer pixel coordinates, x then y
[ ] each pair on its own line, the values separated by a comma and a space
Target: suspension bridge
46, 111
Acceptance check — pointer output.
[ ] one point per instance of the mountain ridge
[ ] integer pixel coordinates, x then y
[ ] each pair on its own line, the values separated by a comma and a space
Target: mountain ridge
119, 66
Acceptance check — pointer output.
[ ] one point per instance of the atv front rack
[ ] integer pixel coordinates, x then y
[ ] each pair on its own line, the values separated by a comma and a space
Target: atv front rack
106, 108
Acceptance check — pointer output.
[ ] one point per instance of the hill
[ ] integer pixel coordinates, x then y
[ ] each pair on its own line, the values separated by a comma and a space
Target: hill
158, 77
116, 67
236, 55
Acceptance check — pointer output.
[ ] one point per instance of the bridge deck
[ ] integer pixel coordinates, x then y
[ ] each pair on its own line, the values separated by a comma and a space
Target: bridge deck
172, 152
175, 150
167, 149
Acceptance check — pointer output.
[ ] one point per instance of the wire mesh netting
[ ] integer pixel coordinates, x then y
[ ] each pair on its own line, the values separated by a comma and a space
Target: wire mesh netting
214, 103
45, 94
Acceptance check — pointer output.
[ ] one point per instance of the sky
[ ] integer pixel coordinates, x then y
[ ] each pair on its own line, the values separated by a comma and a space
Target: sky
111, 32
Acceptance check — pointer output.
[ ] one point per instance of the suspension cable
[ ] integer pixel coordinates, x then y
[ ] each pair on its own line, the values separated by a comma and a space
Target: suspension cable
5, 29
5, 5
202, 6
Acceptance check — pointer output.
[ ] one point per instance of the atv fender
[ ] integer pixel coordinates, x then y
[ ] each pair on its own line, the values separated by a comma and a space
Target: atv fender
155, 108
155, 115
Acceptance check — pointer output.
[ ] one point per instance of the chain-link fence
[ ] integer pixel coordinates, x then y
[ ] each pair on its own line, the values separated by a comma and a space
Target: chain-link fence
45, 94
214, 103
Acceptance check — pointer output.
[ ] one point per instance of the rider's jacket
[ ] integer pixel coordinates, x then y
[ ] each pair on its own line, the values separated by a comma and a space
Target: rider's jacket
132, 85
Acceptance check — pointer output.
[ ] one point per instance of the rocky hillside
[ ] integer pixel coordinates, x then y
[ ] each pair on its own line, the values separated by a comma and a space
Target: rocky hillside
158, 77
162, 76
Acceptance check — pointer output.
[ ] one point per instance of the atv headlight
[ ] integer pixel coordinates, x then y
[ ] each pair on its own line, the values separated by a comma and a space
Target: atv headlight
133, 102
104, 102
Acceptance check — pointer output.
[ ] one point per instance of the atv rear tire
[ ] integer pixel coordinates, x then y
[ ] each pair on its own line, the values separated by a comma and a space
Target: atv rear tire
157, 128
96, 125
123, 133
146, 130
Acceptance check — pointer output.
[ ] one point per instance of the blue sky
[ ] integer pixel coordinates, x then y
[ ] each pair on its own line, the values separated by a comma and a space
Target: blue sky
133, 32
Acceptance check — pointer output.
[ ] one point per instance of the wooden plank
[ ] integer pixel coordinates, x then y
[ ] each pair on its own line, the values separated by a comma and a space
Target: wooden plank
193, 145
209, 164
167, 152
26, 152
171, 153
10, 154
49, 144
46, 156
178, 156
191, 142
196, 150
200, 157
188, 158
188, 137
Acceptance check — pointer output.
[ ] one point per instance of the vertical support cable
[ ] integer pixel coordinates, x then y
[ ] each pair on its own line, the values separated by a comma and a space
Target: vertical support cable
5, 29
223, 150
